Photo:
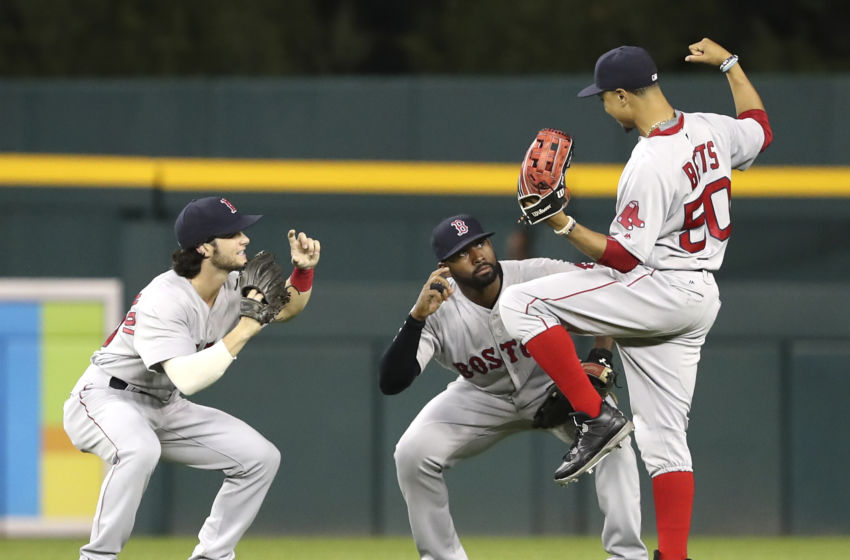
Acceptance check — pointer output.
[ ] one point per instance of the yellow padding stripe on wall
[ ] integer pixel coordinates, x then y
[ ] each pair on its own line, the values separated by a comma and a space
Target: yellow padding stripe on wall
76, 171
370, 177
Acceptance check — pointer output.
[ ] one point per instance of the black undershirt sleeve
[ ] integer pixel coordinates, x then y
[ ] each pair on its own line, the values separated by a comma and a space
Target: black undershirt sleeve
398, 366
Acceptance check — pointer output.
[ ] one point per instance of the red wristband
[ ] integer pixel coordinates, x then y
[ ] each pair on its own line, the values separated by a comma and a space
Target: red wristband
301, 279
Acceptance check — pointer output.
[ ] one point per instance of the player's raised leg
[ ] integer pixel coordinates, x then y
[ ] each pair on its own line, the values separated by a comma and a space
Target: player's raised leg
603, 426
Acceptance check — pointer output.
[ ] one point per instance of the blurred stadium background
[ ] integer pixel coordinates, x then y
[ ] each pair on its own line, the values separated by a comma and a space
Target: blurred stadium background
364, 124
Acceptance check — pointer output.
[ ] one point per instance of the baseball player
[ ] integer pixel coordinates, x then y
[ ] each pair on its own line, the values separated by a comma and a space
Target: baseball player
497, 392
653, 289
181, 333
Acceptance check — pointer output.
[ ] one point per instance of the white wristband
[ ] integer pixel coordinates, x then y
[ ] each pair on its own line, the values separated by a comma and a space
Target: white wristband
729, 63
567, 229
193, 372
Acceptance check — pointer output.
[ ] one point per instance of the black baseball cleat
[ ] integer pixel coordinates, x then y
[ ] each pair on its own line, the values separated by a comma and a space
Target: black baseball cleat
595, 438
657, 556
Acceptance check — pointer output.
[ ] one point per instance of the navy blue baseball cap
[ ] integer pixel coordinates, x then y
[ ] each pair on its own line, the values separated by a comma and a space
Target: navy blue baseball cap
454, 233
625, 67
205, 218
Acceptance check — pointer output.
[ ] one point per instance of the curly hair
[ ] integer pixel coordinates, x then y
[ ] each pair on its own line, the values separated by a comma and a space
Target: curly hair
187, 262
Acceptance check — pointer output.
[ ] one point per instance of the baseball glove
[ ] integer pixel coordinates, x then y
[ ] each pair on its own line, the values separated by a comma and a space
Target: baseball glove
263, 274
556, 409
598, 368
541, 190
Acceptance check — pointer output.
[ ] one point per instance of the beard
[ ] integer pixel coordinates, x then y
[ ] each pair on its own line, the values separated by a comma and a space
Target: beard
222, 263
478, 281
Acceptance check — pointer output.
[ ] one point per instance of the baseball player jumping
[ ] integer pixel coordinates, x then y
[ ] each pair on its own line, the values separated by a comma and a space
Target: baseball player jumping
181, 333
653, 289
498, 392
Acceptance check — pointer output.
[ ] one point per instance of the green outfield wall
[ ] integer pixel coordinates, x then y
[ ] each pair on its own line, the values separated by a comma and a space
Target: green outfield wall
481, 119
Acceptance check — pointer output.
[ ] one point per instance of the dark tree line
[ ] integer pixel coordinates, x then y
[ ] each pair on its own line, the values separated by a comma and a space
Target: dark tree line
62, 38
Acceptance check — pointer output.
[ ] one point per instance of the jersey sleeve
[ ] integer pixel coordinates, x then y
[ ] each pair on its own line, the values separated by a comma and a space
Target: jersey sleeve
760, 116
429, 343
746, 137
161, 333
642, 200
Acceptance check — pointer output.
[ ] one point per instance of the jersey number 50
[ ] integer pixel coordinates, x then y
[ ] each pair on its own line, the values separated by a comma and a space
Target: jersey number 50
702, 212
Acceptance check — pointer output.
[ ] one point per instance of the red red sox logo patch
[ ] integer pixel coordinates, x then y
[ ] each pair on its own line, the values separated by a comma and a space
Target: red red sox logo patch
229, 205
460, 226
629, 218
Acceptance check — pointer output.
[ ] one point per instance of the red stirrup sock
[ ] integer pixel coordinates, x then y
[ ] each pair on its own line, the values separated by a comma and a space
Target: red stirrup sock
674, 500
554, 351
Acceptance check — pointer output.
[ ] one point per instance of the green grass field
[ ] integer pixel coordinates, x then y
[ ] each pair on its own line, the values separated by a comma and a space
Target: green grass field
399, 548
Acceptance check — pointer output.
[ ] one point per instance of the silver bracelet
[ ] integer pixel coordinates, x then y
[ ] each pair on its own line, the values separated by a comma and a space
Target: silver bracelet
729, 63
567, 229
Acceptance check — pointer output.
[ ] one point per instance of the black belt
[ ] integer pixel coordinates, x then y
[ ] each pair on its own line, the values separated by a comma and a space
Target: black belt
122, 385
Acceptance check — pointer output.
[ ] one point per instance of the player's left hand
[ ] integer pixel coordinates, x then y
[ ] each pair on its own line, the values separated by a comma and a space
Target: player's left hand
263, 288
707, 51
305, 251
541, 191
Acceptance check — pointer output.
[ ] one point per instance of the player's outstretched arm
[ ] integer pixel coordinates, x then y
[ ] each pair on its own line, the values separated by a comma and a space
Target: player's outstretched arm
586, 240
305, 253
744, 93
598, 246
589, 242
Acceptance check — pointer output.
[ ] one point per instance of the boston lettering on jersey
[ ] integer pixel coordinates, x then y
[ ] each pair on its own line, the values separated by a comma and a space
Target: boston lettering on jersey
488, 359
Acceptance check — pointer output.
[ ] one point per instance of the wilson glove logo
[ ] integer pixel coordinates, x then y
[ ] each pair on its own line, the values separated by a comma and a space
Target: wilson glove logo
543, 210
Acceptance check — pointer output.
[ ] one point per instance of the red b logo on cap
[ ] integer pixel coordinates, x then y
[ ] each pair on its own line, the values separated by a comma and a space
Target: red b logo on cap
229, 205
460, 226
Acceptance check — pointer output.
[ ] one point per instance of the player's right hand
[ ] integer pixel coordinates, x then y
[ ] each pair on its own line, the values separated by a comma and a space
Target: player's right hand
558, 221
305, 251
435, 291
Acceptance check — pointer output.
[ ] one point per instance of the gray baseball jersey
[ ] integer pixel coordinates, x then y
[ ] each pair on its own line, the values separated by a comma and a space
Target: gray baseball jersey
132, 428
674, 196
673, 214
498, 389
167, 319
455, 337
